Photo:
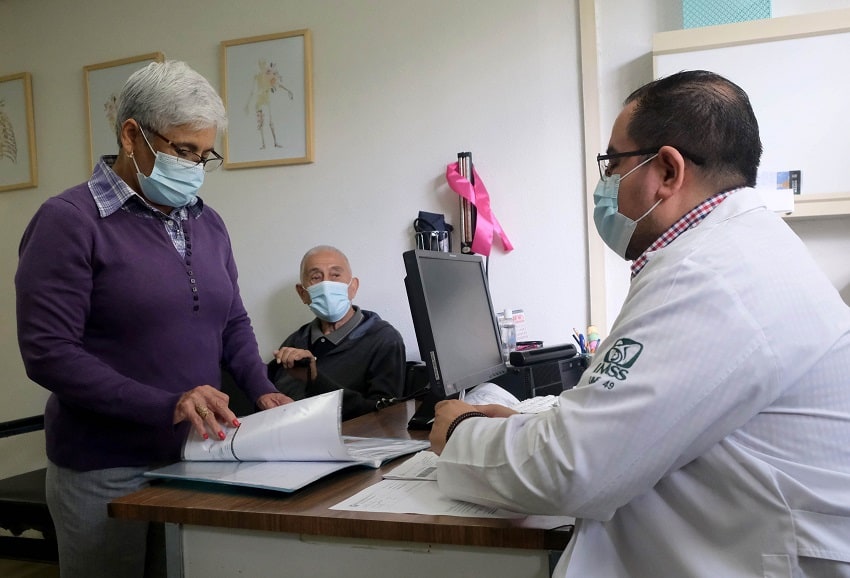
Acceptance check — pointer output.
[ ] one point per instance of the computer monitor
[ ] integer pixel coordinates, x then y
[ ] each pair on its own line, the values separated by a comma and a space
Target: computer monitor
456, 328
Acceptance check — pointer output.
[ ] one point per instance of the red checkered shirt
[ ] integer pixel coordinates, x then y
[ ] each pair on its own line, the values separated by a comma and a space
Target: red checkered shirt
691, 219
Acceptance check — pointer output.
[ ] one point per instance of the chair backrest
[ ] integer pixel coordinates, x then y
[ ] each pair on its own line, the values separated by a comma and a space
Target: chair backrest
239, 402
23, 505
21, 426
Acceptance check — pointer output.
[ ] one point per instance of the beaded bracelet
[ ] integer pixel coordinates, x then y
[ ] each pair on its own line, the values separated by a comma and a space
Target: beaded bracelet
459, 419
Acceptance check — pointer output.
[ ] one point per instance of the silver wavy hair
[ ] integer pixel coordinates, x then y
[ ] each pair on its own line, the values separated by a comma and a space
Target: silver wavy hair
163, 95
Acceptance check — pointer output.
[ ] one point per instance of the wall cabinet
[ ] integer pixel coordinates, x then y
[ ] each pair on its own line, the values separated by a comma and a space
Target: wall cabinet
793, 70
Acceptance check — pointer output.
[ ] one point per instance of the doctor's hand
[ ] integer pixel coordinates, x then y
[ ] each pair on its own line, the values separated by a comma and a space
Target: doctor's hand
496, 410
205, 408
270, 400
445, 414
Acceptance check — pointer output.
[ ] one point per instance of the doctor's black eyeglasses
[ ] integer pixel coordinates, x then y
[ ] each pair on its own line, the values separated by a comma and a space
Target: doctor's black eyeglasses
604, 161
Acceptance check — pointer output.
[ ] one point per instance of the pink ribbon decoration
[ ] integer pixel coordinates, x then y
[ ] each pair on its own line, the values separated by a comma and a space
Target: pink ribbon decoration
486, 223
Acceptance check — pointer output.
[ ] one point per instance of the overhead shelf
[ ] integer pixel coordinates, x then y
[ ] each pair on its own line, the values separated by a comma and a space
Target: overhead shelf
816, 206
787, 67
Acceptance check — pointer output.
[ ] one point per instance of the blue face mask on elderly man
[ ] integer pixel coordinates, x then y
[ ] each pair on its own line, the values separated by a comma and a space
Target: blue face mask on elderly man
329, 300
173, 182
615, 228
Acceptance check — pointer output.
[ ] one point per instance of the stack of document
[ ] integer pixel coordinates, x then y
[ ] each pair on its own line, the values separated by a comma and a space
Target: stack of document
284, 448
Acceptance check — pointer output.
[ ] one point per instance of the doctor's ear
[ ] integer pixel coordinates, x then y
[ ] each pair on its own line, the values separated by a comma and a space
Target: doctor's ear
673, 169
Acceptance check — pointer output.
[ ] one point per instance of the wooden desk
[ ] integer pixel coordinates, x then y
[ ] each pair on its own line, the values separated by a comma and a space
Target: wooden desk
214, 530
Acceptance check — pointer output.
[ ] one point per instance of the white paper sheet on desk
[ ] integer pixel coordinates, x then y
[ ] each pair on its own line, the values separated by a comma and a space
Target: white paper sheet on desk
489, 392
416, 497
420, 466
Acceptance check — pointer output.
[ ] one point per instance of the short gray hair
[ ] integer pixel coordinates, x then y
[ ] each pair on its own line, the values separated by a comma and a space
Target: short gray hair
321, 249
163, 95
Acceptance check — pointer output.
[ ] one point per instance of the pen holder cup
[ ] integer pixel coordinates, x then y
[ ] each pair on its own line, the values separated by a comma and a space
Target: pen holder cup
432, 240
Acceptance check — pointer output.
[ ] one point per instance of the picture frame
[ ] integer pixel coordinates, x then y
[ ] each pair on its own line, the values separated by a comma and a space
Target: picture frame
18, 166
267, 89
104, 82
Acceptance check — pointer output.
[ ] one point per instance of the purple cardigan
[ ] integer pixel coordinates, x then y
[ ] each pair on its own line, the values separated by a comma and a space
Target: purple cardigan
117, 325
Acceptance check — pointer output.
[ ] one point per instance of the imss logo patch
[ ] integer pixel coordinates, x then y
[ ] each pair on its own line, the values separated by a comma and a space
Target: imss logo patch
619, 359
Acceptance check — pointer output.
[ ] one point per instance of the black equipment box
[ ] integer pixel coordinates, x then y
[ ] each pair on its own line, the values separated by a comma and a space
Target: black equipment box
544, 378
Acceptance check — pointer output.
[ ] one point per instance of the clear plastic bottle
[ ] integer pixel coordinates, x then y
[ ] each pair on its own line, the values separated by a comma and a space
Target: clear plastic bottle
507, 331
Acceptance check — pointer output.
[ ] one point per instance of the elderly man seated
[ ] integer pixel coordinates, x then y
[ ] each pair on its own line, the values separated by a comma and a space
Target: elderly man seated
344, 347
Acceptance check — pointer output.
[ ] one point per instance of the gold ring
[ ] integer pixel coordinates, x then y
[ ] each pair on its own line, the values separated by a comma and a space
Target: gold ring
202, 411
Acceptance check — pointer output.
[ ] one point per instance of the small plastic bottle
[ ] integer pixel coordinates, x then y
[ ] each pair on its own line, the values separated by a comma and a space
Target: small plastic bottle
507, 329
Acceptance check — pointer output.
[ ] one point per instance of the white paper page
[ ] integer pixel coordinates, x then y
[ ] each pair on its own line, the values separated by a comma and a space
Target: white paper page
281, 476
376, 451
305, 430
487, 393
422, 466
416, 497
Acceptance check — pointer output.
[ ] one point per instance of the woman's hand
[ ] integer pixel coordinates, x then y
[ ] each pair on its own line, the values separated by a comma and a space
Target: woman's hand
205, 408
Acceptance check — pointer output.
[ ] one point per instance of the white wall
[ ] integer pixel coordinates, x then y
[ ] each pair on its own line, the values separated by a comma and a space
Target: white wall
400, 87
625, 32
625, 29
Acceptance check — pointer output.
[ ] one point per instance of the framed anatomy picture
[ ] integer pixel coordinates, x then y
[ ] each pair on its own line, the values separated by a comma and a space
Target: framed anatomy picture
18, 167
267, 90
104, 82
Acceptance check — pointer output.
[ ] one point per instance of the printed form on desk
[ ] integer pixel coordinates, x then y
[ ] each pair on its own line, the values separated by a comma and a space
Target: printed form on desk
420, 466
416, 497
411, 487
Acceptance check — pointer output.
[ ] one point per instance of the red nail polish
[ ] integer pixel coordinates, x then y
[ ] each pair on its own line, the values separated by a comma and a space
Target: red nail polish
221, 435
206, 436
235, 423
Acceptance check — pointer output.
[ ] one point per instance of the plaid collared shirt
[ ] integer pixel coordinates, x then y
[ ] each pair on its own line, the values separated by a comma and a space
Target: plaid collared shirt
690, 220
111, 193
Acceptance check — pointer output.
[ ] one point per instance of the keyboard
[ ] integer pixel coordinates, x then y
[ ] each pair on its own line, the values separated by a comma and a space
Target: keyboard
536, 404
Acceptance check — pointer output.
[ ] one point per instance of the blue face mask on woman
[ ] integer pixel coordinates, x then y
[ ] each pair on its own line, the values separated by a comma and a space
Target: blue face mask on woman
173, 182
615, 228
329, 300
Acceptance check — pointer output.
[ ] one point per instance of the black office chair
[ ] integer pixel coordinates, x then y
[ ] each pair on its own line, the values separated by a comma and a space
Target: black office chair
239, 402
23, 506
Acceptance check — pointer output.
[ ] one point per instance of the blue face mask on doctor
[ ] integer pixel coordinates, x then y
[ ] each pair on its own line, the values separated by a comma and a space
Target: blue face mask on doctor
173, 182
615, 228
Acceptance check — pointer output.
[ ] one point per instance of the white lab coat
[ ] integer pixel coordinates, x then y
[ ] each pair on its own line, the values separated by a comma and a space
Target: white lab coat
710, 435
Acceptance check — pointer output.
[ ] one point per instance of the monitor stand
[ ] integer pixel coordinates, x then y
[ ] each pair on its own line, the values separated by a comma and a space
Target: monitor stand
424, 415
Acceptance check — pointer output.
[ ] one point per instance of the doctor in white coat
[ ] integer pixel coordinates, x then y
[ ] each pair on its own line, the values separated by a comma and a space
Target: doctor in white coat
710, 435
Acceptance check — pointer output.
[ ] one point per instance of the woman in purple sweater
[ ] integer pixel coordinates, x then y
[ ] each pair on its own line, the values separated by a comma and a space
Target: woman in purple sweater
128, 307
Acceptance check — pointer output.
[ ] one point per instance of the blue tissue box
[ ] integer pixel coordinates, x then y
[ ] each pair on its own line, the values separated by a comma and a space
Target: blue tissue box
696, 13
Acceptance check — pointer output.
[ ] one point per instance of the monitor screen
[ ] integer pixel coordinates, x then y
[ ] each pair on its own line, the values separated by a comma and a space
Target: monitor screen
456, 328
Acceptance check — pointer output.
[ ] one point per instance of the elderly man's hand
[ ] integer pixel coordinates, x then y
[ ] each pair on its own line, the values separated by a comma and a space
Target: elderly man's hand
270, 400
297, 362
